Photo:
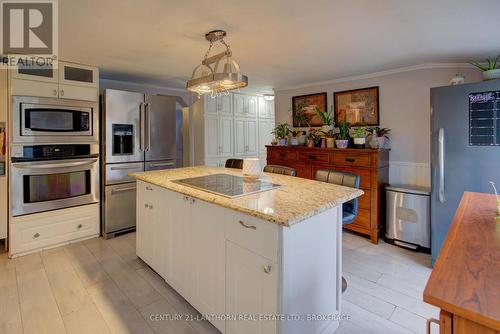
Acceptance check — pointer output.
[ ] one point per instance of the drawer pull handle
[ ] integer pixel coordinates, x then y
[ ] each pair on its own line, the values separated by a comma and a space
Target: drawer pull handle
312, 157
268, 269
36, 235
192, 201
247, 226
283, 155
150, 207
350, 159
186, 198
148, 188
429, 322
146, 206
79, 226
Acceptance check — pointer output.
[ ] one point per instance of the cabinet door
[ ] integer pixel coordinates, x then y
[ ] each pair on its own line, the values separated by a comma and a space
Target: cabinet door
211, 105
46, 74
208, 266
251, 106
239, 137
262, 108
239, 104
251, 288
212, 146
33, 88
226, 136
78, 75
251, 140
270, 109
225, 105
144, 224
180, 245
162, 222
78, 93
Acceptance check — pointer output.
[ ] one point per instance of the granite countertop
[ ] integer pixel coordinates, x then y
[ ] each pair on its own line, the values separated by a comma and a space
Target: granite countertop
296, 200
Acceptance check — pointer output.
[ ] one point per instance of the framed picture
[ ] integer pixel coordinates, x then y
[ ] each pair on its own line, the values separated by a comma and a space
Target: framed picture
360, 107
304, 109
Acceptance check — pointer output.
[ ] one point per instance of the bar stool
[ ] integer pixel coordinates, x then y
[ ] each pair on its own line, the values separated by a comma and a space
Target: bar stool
349, 209
234, 163
277, 169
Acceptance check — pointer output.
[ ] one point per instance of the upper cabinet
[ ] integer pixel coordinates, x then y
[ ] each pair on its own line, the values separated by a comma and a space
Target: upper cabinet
67, 81
220, 105
79, 75
266, 108
245, 105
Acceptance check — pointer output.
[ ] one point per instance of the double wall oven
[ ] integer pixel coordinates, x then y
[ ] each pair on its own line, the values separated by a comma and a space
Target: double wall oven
54, 155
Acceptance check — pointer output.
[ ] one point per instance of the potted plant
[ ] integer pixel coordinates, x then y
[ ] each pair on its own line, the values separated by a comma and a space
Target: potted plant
280, 132
380, 134
491, 70
312, 137
295, 133
326, 118
330, 138
343, 135
359, 136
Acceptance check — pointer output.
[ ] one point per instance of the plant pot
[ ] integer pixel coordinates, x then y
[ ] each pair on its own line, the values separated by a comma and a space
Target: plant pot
359, 141
294, 142
283, 142
323, 142
310, 143
330, 142
302, 140
491, 74
342, 143
381, 142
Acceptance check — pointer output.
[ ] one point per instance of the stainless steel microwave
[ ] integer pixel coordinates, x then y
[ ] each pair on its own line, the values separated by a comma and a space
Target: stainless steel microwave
53, 120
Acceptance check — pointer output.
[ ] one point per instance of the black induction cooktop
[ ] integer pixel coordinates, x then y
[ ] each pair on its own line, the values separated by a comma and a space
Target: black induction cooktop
227, 185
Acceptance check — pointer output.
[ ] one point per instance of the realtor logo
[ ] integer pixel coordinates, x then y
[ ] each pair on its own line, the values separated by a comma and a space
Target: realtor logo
29, 28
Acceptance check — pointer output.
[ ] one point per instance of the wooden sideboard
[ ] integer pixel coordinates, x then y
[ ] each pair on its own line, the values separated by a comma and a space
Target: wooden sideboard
464, 283
371, 165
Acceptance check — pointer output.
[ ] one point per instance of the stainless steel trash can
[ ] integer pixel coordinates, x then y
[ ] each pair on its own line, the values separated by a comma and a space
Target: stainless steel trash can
408, 217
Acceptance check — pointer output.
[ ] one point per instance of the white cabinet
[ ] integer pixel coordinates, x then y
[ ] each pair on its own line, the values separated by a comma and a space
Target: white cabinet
218, 137
245, 131
145, 231
266, 108
220, 105
251, 288
68, 81
245, 105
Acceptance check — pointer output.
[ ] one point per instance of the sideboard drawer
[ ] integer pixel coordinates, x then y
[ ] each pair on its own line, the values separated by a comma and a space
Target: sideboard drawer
283, 155
363, 219
314, 157
355, 160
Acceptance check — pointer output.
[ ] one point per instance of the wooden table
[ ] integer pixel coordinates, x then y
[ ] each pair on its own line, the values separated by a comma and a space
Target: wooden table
465, 282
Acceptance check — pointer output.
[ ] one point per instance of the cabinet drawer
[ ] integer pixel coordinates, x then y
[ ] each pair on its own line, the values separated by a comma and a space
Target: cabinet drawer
41, 230
346, 159
254, 234
33, 88
365, 200
283, 155
314, 157
363, 219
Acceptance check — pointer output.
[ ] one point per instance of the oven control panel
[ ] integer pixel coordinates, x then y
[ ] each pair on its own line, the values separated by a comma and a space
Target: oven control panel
46, 152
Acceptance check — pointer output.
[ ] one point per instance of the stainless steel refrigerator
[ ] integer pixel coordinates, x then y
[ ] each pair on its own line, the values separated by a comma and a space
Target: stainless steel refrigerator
139, 132
465, 149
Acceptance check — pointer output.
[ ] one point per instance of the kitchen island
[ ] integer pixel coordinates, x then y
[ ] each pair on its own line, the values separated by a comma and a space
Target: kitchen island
266, 262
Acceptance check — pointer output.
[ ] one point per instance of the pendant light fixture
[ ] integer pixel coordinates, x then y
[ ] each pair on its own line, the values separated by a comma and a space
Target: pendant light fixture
217, 74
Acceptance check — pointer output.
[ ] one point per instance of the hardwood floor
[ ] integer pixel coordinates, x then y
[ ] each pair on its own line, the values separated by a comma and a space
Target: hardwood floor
100, 286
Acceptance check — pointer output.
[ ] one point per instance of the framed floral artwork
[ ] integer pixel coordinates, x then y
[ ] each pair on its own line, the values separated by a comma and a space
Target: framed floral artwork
305, 109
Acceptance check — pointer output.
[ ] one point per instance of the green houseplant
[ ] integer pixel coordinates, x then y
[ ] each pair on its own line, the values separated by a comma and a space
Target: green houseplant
343, 136
359, 136
326, 117
381, 136
491, 70
295, 133
281, 133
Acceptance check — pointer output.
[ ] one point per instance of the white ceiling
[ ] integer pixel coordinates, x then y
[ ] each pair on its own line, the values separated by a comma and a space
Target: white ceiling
278, 43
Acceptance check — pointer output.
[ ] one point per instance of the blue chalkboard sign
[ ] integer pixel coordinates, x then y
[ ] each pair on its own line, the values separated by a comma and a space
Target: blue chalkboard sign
484, 119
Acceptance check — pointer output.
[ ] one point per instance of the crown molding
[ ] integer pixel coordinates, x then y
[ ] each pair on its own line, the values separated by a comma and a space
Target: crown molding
378, 74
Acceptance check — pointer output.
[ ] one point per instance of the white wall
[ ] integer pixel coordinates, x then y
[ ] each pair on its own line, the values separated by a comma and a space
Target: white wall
404, 108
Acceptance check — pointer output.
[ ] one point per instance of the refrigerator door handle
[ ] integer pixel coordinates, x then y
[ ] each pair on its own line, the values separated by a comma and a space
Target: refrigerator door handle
148, 116
441, 162
142, 122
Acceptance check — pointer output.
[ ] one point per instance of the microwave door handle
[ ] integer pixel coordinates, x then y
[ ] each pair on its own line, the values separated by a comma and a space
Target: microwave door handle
441, 162
54, 165
141, 127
